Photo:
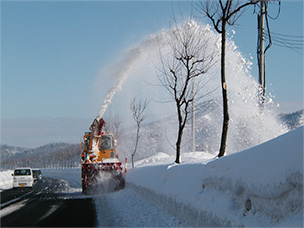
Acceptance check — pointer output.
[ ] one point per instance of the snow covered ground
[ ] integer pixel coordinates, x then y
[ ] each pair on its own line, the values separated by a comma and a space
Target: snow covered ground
127, 208
261, 186
6, 180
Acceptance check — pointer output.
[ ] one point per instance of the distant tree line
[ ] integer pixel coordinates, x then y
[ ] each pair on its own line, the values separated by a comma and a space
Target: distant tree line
67, 156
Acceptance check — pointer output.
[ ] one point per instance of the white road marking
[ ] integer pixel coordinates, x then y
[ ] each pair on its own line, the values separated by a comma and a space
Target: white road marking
51, 211
10, 209
14, 200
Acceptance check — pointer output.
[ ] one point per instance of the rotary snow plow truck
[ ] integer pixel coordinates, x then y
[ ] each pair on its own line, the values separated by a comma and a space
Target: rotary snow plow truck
101, 168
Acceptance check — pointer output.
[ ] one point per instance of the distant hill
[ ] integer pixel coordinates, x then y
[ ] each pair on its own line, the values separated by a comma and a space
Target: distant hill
50, 155
10, 151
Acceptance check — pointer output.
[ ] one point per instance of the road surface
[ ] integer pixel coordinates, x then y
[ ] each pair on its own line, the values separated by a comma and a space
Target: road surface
46, 205
57, 201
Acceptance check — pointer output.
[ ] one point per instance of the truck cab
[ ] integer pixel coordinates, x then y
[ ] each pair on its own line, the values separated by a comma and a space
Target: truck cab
104, 148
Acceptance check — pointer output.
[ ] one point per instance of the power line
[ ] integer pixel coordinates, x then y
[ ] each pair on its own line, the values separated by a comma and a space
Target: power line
280, 34
279, 11
295, 43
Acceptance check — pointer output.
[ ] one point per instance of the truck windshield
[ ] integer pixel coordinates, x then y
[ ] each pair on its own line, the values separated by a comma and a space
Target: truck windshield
87, 143
106, 142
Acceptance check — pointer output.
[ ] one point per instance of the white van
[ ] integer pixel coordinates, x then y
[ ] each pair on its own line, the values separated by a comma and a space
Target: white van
23, 177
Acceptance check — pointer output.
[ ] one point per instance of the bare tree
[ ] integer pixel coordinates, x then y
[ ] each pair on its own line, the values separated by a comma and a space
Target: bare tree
221, 13
188, 60
117, 123
137, 109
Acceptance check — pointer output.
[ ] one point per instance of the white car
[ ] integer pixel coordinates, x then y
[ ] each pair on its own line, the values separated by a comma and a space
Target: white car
23, 177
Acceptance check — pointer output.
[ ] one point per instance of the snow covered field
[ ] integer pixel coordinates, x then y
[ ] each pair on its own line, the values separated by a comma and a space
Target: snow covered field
261, 186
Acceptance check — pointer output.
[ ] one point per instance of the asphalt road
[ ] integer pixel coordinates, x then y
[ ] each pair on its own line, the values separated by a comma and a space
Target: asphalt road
46, 205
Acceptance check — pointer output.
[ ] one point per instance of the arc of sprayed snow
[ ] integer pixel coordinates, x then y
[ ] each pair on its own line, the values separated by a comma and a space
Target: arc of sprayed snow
108, 99
122, 75
132, 58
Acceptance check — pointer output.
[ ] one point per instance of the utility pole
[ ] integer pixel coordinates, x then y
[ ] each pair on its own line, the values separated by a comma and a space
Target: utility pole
193, 116
261, 52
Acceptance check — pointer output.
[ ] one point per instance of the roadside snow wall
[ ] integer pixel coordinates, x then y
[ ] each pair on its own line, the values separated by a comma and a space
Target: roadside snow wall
261, 186
6, 180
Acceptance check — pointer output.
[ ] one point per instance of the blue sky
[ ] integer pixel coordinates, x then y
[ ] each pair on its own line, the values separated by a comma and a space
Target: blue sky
52, 52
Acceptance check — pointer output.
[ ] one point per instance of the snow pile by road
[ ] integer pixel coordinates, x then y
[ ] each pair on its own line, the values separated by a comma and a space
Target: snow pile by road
163, 158
127, 209
6, 180
261, 186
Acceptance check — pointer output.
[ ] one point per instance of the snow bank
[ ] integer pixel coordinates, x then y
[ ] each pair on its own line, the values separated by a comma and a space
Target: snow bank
126, 209
159, 158
6, 180
261, 186
163, 158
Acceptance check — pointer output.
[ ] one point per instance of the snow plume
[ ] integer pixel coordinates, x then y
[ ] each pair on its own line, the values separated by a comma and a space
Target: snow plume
121, 75
138, 71
123, 68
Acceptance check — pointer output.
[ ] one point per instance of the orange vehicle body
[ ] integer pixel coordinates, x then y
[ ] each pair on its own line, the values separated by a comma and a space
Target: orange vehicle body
99, 158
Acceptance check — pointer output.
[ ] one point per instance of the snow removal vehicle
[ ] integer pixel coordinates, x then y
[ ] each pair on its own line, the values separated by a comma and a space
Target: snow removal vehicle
101, 168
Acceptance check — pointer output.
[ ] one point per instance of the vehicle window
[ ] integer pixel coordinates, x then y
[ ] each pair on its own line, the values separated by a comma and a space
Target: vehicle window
106, 142
36, 172
22, 172
87, 143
